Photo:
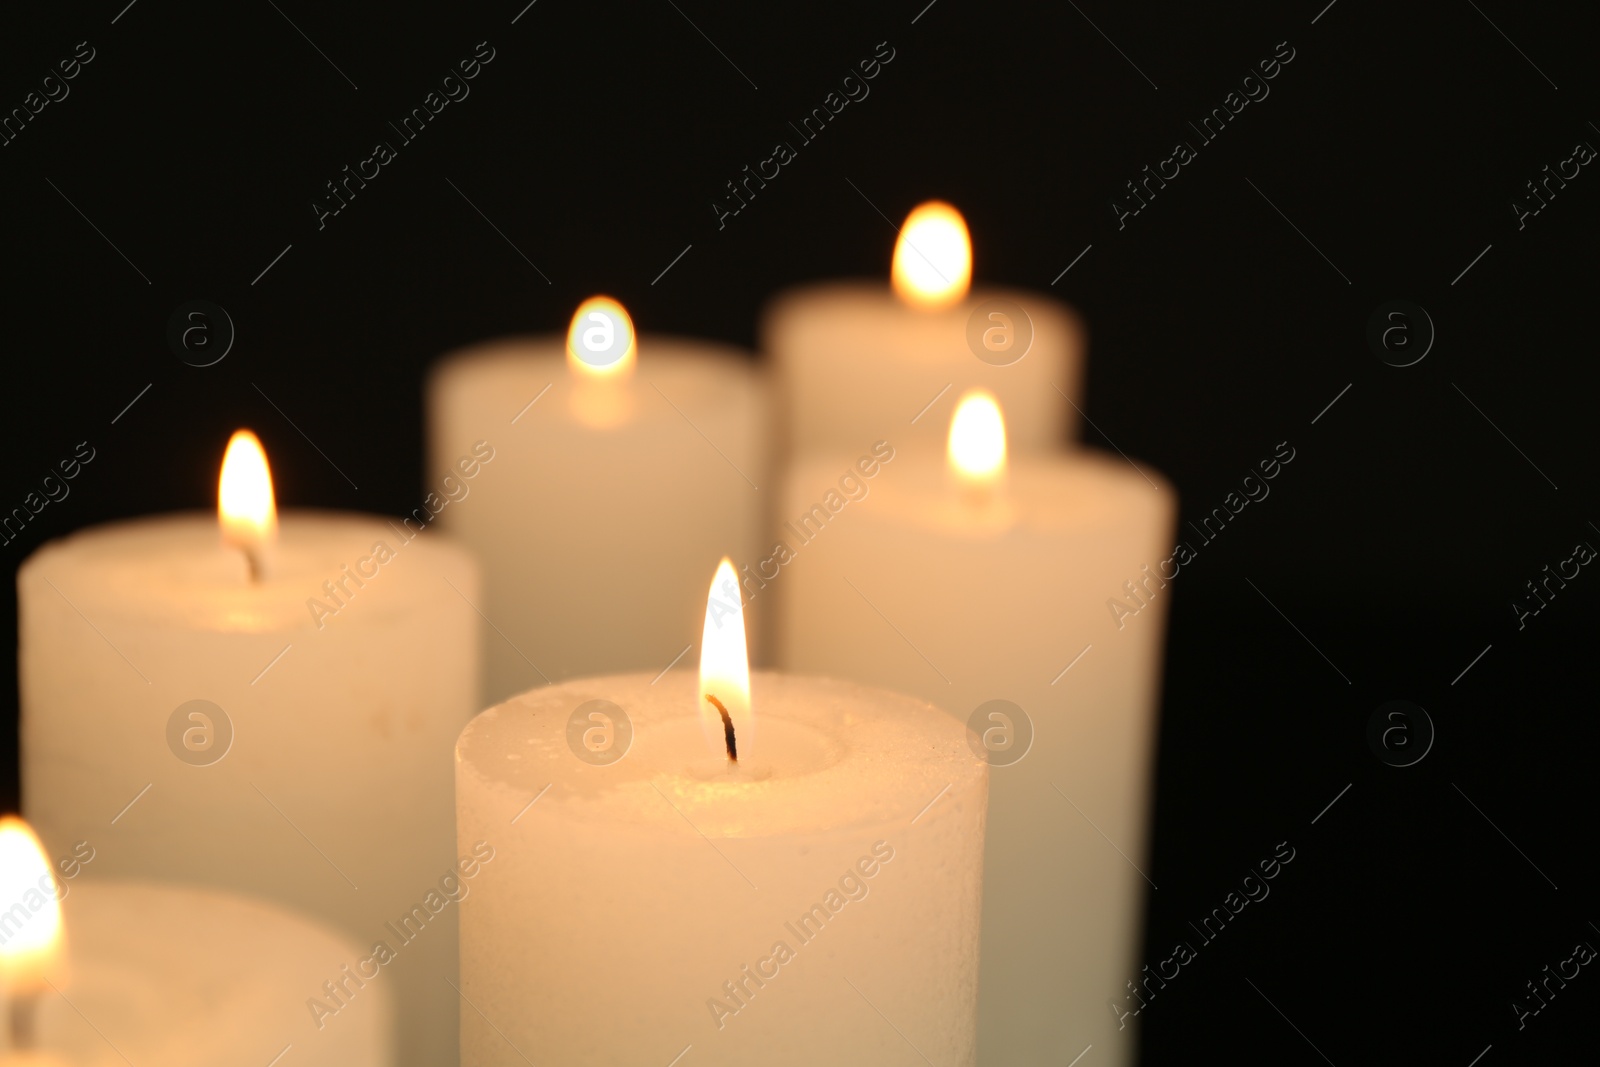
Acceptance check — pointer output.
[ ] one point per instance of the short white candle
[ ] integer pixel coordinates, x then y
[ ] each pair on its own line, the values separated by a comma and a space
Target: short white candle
816, 901
856, 362
324, 781
985, 579
102, 972
615, 487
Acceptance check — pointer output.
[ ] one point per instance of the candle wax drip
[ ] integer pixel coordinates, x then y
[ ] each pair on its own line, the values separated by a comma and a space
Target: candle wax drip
727, 728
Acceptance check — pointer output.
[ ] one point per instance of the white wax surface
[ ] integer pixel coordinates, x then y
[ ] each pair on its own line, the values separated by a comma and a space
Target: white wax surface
188, 977
960, 607
623, 898
854, 365
335, 796
599, 539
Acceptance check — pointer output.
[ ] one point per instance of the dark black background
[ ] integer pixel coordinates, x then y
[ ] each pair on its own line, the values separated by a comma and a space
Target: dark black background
596, 141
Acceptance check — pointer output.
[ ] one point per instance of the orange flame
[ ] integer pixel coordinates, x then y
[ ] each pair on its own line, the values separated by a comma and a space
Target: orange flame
725, 668
246, 509
34, 948
933, 257
977, 445
600, 340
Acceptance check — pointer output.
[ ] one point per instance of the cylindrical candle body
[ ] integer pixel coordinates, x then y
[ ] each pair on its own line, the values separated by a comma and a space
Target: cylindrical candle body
854, 364
188, 977
608, 502
912, 588
192, 725
794, 911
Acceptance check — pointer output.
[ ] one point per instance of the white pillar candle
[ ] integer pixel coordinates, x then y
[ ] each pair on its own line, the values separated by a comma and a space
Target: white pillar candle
857, 361
97, 972
315, 768
615, 486
965, 586
816, 901
185, 976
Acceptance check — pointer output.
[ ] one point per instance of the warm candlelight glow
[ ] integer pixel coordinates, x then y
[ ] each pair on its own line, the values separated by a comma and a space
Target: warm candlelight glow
977, 448
33, 945
245, 506
725, 668
933, 257
600, 341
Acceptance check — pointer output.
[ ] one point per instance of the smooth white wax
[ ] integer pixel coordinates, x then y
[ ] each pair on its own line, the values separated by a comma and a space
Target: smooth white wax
608, 502
181, 976
816, 904
926, 587
855, 364
334, 794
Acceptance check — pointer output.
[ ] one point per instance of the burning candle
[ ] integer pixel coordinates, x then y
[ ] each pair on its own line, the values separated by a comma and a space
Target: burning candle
247, 510
31, 940
726, 858
259, 705
624, 466
857, 363
985, 578
165, 974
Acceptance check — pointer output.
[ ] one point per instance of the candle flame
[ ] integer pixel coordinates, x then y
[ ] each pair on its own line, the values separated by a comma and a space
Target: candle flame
32, 948
977, 448
600, 340
246, 509
725, 668
933, 257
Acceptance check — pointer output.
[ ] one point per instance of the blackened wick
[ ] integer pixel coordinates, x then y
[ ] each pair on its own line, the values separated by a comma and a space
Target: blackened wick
727, 728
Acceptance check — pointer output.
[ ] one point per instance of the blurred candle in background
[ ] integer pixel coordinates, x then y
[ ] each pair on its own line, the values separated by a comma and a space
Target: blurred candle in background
625, 467
172, 975
983, 576
857, 362
268, 708
762, 909
32, 942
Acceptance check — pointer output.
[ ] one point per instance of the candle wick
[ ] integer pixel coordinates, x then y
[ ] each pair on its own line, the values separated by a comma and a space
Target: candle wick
22, 1020
253, 558
727, 728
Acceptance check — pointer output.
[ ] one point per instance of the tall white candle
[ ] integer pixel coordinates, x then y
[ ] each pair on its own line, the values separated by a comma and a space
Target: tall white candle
815, 901
857, 361
287, 736
98, 972
987, 579
615, 485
